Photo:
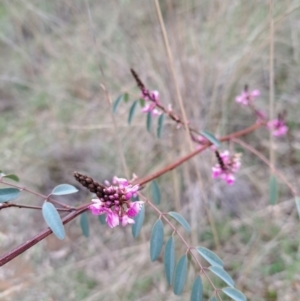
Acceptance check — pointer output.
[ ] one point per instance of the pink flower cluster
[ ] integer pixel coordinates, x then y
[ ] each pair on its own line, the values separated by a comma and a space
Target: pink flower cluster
278, 127
226, 168
247, 97
116, 203
152, 97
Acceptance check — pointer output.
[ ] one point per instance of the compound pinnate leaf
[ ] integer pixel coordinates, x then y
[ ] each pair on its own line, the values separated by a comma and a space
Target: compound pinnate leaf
53, 220
181, 220
169, 259
210, 256
297, 200
102, 219
139, 220
211, 138
273, 190
234, 294
155, 192
64, 189
160, 125
84, 224
197, 290
131, 111
149, 121
156, 240
8, 194
117, 103
180, 275
12, 177
222, 274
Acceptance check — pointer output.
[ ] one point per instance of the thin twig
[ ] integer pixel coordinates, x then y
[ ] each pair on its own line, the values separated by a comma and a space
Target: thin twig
7, 205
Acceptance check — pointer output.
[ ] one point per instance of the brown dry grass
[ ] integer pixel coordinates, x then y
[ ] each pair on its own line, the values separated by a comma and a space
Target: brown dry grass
55, 119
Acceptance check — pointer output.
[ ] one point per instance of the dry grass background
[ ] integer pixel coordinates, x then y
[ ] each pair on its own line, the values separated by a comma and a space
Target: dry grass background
55, 119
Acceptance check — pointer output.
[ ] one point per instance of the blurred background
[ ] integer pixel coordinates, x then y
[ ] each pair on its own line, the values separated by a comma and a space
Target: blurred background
56, 59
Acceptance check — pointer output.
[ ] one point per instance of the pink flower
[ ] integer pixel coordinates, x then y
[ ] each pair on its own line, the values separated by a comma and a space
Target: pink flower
134, 208
151, 108
152, 95
278, 127
114, 201
112, 218
226, 168
247, 97
125, 220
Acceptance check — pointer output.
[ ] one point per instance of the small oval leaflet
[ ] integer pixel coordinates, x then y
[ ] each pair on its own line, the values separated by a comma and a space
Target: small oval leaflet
84, 224
53, 220
160, 125
169, 259
180, 275
139, 220
149, 121
273, 190
234, 294
8, 194
131, 111
297, 200
155, 191
12, 177
181, 220
64, 189
211, 138
102, 219
117, 103
210, 256
197, 290
221, 273
156, 240
142, 102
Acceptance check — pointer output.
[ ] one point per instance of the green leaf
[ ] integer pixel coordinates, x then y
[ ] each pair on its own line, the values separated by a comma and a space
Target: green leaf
180, 275
142, 102
149, 121
160, 125
126, 97
63, 189
156, 240
102, 219
8, 194
84, 224
53, 220
169, 259
211, 138
155, 191
139, 220
181, 220
213, 299
12, 177
117, 103
234, 294
273, 190
131, 112
221, 273
197, 290
297, 200
210, 256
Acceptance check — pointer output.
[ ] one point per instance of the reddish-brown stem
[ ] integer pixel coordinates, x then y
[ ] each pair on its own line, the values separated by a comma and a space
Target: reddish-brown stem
267, 162
45, 197
7, 205
195, 152
33, 241
78, 210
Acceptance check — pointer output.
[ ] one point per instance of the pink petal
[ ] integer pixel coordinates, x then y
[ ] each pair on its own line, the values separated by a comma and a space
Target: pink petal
135, 208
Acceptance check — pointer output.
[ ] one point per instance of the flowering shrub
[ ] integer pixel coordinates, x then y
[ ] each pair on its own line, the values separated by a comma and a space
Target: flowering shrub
122, 202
